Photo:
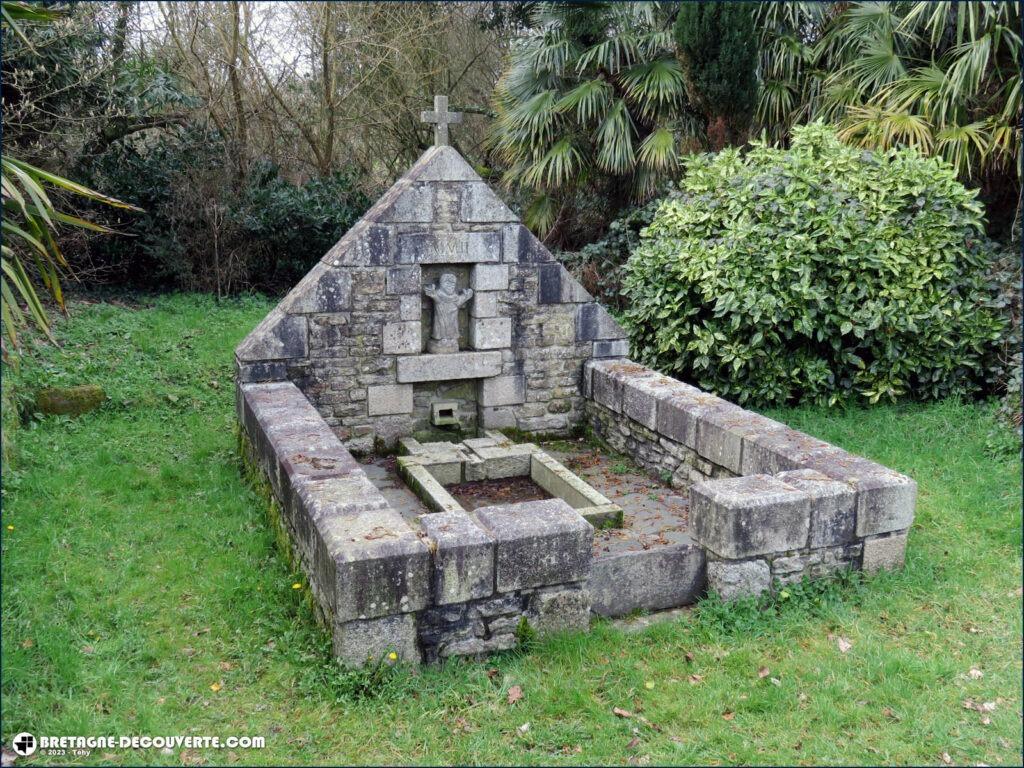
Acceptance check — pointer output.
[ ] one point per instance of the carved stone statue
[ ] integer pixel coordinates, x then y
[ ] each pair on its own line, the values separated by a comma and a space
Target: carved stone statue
444, 332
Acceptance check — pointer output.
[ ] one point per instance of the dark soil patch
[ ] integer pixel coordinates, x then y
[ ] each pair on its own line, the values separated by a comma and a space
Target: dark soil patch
486, 493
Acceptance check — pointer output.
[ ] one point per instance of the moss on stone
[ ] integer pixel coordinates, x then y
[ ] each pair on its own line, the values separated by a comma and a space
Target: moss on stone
70, 401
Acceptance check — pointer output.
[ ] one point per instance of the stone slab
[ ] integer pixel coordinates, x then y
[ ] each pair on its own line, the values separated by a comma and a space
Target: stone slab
463, 557
721, 432
649, 580
489, 277
502, 390
559, 609
884, 553
402, 338
539, 543
742, 517
560, 482
732, 580
389, 399
370, 641
833, 507
448, 367
490, 332
449, 247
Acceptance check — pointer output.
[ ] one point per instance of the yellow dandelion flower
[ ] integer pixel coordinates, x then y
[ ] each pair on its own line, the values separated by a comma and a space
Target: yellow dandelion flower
215, 687
10, 527
393, 656
297, 585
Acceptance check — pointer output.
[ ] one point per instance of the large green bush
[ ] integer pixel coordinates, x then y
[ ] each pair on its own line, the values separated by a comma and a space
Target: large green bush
816, 272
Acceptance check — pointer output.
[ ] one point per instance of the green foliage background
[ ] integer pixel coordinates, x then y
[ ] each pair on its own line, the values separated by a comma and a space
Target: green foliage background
817, 272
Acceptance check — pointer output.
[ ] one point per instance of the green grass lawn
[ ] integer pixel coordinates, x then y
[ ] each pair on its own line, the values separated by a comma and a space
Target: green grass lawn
142, 594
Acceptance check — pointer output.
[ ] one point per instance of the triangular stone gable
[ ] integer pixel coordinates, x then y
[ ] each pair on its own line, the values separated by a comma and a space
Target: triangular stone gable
346, 332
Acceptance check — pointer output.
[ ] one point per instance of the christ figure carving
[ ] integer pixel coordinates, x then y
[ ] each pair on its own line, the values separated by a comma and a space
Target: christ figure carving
444, 332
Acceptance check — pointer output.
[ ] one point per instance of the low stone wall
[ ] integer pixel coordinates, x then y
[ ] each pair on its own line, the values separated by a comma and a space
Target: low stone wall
456, 584
768, 504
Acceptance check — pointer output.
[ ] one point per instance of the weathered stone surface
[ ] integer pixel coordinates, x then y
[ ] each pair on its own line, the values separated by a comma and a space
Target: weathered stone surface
556, 286
502, 390
476, 646
781, 450
539, 543
371, 640
648, 580
499, 461
481, 205
745, 516
415, 204
833, 503
613, 348
559, 610
490, 333
463, 557
884, 552
404, 280
278, 337
389, 398
458, 365
485, 304
324, 289
425, 485
250, 373
410, 307
885, 498
731, 580
70, 401
594, 322
402, 338
382, 566
641, 394
489, 277
722, 430
679, 413
442, 163
522, 246
449, 247
563, 484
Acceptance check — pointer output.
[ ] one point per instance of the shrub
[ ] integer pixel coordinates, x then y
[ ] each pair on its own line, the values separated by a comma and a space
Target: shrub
203, 230
816, 272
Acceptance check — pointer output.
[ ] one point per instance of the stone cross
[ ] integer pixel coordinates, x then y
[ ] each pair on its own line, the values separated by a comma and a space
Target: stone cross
441, 118
444, 334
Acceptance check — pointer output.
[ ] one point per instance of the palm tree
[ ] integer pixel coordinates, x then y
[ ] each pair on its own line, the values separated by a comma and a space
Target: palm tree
30, 219
940, 76
593, 90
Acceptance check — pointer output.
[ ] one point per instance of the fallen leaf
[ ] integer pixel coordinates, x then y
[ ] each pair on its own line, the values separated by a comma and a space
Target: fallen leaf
694, 679
649, 685
975, 674
619, 712
986, 720
633, 743
763, 672
88, 650
775, 681
689, 657
888, 712
216, 687
188, 651
843, 644
27, 643
524, 727
988, 706
226, 666
515, 693
946, 758
492, 673
728, 715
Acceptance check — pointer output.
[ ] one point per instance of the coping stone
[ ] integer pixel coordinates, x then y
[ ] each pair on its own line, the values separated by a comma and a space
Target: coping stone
833, 507
463, 557
539, 543
741, 517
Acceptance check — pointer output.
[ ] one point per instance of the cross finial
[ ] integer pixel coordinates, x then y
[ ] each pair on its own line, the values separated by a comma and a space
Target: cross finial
441, 118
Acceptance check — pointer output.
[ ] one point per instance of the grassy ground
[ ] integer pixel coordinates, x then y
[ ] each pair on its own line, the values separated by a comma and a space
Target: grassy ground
142, 594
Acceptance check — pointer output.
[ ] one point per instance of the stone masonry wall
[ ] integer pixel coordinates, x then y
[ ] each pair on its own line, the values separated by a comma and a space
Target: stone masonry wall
449, 584
768, 504
353, 333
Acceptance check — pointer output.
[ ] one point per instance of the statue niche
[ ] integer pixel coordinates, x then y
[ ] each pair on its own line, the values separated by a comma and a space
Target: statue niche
444, 331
